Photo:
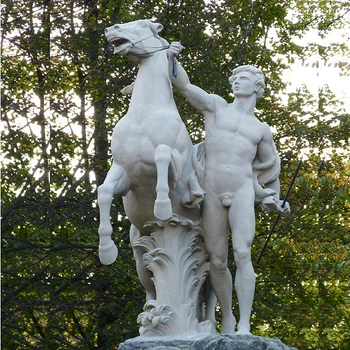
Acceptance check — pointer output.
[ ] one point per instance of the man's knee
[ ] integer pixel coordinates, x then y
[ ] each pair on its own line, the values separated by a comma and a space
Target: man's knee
242, 255
218, 264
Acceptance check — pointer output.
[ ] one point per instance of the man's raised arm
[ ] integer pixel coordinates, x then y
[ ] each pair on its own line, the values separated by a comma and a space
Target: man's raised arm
197, 97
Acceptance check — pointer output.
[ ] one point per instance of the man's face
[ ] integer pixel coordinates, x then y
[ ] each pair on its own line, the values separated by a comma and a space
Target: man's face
244, 84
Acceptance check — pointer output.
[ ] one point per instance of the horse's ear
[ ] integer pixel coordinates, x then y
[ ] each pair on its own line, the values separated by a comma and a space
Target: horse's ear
158, 27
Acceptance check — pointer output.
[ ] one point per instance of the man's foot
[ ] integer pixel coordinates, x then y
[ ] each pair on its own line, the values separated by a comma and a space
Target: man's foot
243, 330
228, 325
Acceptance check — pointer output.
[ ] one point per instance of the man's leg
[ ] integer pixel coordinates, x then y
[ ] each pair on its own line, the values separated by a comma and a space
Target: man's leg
242, 222
216, 230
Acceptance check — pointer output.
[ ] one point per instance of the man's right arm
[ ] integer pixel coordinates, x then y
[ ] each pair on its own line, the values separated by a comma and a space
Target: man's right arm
197, 97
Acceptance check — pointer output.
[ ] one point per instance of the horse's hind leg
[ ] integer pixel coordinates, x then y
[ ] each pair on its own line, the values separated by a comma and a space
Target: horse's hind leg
144, 274
162, 205
116, 183
211, 300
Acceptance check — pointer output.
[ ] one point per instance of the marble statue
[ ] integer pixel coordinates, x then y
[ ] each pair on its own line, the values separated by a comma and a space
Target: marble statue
154, 169
178, 239
240, 156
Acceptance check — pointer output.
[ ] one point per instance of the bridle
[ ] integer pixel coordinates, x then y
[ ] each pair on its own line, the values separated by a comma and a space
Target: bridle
149, 47
157, 49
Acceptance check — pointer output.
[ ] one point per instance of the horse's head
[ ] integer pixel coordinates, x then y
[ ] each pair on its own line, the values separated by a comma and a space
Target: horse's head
130, 38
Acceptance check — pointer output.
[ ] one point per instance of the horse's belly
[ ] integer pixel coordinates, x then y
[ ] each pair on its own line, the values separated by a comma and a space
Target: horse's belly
161, 126
135, 155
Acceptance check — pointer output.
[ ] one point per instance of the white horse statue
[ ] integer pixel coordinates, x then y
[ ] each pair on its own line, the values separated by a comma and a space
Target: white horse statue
153, 168
152, 151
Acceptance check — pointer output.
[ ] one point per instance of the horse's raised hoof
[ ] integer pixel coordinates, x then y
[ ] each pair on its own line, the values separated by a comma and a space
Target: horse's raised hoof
108, 253
197, 198
163, 209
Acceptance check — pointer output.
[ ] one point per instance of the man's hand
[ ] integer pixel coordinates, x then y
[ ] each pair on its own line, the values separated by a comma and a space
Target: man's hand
174, 49
285, 211
271, 203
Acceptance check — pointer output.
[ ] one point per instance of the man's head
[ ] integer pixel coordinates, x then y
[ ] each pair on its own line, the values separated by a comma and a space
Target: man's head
256, 75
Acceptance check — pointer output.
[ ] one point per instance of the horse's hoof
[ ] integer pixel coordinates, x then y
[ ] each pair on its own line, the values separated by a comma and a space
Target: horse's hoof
193, 200
163, 209
211, 319
108, 253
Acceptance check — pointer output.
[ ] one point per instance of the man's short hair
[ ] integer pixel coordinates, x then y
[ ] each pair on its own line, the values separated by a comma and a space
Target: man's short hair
260, 80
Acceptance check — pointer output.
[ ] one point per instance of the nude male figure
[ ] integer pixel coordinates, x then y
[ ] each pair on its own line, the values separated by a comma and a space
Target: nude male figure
235, 142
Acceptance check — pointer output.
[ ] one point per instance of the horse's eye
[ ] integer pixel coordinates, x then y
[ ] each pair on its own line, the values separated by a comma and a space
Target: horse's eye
143, 24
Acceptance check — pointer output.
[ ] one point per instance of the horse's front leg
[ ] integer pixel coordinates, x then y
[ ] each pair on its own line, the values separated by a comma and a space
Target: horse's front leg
116, 183
162, 206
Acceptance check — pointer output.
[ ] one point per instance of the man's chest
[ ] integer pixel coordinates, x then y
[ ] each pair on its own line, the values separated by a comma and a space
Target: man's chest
237, 126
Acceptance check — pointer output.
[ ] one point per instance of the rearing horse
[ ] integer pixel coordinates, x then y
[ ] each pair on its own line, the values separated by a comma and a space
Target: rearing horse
152, 151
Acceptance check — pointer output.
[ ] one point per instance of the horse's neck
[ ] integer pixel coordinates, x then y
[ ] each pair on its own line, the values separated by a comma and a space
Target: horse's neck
152, 85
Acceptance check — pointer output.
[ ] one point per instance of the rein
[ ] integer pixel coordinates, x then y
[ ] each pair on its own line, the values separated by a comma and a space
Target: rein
157, 49
149, 47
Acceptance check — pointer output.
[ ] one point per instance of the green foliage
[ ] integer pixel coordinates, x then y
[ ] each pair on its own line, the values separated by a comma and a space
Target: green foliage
60, 101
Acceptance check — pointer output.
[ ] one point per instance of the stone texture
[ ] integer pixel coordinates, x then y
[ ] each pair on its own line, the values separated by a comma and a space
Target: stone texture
218, 342
176, 256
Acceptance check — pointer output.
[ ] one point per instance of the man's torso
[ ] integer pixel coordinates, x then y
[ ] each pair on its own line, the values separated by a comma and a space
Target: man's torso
231, 145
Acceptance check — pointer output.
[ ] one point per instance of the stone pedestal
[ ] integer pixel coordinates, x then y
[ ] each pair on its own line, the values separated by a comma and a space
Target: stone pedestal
205, 342
174, 253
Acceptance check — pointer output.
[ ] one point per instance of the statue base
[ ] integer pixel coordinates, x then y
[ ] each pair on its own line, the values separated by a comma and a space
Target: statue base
175, 254
205, 342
